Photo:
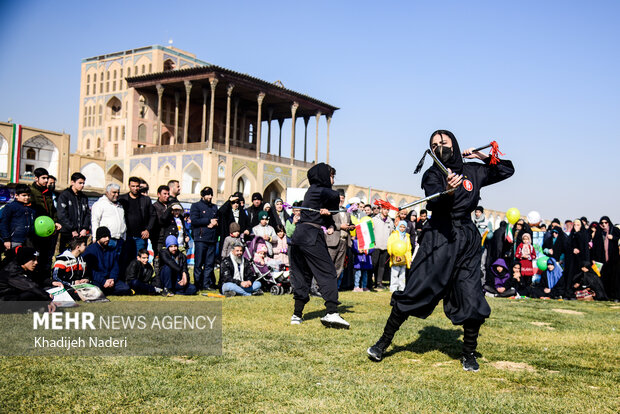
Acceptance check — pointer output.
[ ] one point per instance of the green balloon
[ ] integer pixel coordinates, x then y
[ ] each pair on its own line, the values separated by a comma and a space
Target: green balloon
44, 226
542, 263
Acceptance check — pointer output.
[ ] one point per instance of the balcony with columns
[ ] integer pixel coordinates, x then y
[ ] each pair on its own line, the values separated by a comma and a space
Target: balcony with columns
216, 109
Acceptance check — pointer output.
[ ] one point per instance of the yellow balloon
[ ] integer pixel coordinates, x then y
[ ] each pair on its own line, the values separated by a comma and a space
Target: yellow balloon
513, 215
399, 248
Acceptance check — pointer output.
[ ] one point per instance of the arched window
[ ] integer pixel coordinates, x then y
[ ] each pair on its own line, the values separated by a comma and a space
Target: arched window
100, 120
243, 186
31, 154
114, 108
87, 144
143, 69
142, 133
99, 143
166, 172
142, 100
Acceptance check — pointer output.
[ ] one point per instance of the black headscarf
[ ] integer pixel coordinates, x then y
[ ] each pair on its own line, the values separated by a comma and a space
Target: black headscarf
319, 175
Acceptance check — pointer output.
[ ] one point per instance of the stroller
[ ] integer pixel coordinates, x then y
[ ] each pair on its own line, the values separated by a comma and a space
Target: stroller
275, 277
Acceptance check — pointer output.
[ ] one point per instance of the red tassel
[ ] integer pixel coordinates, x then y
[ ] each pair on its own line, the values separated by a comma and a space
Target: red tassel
385, 204
494, 153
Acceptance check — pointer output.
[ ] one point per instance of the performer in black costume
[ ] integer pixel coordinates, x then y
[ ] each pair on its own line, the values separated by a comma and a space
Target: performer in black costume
308, 254
447, 265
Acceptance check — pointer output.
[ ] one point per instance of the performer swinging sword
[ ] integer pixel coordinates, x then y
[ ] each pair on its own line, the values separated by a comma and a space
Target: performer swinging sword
308, 254
447, 265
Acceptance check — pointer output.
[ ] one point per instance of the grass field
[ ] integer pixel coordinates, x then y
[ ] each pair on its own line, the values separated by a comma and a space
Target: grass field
536, 356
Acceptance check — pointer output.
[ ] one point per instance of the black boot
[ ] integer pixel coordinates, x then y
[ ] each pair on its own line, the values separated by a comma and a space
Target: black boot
470, 342
396, 319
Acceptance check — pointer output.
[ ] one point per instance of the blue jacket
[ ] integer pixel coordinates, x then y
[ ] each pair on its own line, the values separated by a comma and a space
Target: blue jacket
101, 264
16, 222
201, 214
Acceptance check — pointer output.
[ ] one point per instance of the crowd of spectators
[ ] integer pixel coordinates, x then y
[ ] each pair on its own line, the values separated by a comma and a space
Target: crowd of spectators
127, 244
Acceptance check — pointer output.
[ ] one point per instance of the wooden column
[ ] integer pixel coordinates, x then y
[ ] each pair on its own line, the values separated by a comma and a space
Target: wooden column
229, 90
188, 90
177, 98
329, 120
306, 119
213, 83
259, 120
281, 122
316, 145
203, 132
235, 126
270, 114
294, 107
160, 94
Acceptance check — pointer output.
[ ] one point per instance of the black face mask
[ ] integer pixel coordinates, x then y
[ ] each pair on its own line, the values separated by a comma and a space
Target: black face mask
51, 187
443, 153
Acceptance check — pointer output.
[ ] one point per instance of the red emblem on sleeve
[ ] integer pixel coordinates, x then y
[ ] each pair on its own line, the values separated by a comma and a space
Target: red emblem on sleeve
468, 185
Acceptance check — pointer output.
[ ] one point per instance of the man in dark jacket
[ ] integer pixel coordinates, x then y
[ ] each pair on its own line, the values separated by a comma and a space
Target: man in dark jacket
163, 217
139, 217
237, 276
308, 252
42, 202
73, 211
16, 278
173, 270
254, 209
203, 215
17, 224
139, 274
102, 265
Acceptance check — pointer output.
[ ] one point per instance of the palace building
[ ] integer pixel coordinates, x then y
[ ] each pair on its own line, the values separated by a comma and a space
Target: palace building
160, 113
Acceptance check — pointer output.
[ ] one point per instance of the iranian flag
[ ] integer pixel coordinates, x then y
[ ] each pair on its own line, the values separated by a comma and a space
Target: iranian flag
16, 153
365, 235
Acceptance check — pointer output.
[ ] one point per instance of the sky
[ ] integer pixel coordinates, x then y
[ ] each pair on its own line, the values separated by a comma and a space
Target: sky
540, 78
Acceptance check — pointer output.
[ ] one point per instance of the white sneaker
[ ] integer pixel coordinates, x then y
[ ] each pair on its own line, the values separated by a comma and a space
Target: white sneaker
296, 320
334, 320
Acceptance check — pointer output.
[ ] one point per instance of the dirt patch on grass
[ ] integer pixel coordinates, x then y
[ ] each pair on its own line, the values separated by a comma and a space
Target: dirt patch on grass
543, 325
513, 366
614, 307
442, 364
567, 311
183, 360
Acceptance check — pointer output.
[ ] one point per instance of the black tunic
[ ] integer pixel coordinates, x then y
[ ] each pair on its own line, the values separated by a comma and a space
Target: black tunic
447, 265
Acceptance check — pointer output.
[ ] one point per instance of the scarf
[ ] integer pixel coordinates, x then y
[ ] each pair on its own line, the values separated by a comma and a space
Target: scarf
238, 265
553, 275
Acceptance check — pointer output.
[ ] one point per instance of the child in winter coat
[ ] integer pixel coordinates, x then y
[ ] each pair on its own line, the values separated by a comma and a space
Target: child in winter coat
399, 262
526, 255
231, 239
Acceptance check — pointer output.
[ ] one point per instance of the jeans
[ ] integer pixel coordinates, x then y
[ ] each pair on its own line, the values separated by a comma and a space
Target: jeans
204, 261
397, 280
141, 288
168, 278
120, 288
361, 275
233, 287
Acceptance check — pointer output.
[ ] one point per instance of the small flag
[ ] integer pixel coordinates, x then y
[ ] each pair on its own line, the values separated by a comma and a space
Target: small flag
365, 235
509, 233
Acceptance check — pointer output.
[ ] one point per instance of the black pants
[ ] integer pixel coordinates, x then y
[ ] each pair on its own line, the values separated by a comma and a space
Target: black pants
309, 261
447, 267
379, 261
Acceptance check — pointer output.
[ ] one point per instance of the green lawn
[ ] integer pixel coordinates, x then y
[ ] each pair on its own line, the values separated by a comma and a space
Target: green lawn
536, 356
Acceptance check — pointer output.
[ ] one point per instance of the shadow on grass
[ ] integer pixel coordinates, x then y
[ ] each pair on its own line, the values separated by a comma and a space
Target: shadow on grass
342, 309
433, 338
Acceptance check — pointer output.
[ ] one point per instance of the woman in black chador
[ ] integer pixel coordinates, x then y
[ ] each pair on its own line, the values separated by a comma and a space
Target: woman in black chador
308, 254
447, 265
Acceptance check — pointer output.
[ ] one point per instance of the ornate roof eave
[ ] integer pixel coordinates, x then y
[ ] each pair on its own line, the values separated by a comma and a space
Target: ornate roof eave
212, 71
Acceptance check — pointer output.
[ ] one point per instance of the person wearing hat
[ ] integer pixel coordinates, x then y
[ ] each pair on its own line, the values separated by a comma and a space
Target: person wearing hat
231, 239
232, 212
176, 226
264, 230
237, 276
102, 265
17, 224
42, 202
447, 265
173, 271
16, 278
278, 214
203, 215
254, 209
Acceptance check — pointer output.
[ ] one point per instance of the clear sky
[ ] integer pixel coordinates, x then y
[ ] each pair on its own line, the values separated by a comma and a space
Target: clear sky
540, 77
